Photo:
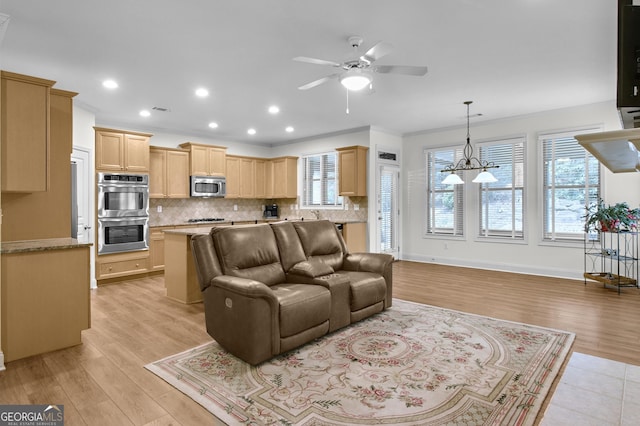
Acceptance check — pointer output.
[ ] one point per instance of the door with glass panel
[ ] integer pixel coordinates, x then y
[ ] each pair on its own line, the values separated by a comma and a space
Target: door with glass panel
388, 209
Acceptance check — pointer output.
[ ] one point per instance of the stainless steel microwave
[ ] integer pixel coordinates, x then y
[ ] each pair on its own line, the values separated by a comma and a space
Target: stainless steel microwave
208, 186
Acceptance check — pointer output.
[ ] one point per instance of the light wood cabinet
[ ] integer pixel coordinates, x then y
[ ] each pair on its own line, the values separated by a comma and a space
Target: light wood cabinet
168, 173
355, 236
352, 171
25, 133
260, 171
206, 160
247, 177
45, 301
233, 177
156, 247
121, 264
117, 150
282, 177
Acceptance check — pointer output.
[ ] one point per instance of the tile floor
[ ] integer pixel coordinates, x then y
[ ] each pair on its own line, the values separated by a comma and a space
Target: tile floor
595, 391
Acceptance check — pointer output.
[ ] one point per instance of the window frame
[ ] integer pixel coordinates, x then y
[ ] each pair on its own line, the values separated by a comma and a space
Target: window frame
553, 237
338, 203
513, 235
457, 231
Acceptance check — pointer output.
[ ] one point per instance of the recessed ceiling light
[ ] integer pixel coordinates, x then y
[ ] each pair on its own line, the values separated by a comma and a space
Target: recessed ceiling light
289, 129
274, 109
202, 92
252, 131
145, 113
213, 125
110, 84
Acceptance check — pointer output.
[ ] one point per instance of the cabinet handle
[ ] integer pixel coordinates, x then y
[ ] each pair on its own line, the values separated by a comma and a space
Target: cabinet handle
137, 264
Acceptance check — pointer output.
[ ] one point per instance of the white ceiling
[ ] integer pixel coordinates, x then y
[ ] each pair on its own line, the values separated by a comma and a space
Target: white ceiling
511, 57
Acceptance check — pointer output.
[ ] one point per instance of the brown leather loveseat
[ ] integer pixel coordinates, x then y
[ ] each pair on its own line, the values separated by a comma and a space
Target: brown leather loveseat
268, 289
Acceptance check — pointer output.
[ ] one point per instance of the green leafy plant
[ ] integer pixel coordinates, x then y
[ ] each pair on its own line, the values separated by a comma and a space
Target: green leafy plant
610, 218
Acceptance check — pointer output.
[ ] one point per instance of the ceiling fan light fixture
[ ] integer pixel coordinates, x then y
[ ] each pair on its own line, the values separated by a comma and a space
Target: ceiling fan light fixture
355, 79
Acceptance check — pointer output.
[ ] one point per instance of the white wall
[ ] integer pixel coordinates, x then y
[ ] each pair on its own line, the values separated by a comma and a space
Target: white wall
531, 257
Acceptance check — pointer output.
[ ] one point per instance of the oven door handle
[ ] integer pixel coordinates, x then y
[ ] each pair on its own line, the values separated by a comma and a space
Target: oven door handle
123, 219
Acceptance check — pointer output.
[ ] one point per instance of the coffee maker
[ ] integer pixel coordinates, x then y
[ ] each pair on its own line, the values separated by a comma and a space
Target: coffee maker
270, 210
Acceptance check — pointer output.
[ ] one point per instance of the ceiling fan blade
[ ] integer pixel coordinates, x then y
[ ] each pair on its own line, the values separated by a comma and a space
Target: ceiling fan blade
378, 51
400, 69
316, 61
318, 82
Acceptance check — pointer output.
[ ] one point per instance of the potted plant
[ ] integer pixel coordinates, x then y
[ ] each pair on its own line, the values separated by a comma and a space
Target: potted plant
611, 218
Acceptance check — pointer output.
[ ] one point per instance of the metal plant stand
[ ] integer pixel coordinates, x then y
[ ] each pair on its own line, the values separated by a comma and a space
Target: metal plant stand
611, 258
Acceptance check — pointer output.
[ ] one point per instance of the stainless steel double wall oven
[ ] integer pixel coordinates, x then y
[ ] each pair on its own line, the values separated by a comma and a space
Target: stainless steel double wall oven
123, 212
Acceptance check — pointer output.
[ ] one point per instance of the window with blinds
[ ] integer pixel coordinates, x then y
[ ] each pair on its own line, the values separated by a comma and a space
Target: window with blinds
571, 181
320, 181
502, 202
445, 203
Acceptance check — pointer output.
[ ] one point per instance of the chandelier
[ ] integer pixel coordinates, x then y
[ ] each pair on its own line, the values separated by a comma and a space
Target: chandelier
469, 162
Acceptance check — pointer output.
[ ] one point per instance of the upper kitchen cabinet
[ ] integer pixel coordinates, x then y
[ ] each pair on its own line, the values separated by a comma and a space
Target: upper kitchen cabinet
282, 177
352, 171
25, 133
206, 160
118, 150
168, 173
241, 177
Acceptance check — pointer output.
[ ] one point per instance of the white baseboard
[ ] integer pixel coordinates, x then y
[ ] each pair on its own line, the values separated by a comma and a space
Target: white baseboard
495, 266
2, 367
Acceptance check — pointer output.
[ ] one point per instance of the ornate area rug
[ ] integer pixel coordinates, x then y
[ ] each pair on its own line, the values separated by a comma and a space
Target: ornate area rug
410, 365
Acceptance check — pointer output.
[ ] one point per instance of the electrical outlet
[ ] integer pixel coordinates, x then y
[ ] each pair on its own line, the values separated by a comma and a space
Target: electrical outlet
159, 209
356, 206
235, 207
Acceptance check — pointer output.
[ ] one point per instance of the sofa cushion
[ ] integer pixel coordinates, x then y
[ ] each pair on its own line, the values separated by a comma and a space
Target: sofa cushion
367, 288
320, 241
249, 252
311, 268
291, 251
302, 306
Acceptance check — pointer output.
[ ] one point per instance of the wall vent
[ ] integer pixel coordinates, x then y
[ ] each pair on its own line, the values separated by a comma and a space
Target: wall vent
161, 109
388, 157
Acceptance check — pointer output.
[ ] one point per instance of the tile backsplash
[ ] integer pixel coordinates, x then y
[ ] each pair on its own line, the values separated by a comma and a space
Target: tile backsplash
178, 211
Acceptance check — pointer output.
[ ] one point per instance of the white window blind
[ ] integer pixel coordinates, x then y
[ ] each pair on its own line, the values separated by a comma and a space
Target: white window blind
502, 202
571, 181
445, 203
320, 181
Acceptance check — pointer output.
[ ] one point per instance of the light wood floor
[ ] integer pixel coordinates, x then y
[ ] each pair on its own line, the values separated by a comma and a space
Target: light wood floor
103, 382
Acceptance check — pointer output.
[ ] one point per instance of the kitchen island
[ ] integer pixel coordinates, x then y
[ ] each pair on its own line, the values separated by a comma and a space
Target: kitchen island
45, 295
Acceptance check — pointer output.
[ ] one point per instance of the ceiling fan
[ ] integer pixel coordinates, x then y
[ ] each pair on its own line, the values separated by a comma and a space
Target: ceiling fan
358, 73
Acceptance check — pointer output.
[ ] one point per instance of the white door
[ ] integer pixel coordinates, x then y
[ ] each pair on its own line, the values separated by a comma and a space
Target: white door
83, 190
388, 209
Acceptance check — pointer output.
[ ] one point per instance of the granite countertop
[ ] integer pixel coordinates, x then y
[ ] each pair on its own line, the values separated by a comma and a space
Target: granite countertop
9, 247
243, 222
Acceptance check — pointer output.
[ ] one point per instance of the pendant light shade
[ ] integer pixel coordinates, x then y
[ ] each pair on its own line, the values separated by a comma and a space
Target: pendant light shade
469, 162
452, 179
485, 177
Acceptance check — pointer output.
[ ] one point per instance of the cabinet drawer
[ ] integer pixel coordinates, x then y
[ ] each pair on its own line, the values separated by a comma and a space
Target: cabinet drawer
123, 267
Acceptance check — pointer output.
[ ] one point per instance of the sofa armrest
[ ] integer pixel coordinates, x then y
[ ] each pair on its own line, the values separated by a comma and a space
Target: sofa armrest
311, 269
244, 287
368, 262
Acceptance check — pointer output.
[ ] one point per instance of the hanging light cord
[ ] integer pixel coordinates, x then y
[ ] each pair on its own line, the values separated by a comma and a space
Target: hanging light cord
469, 162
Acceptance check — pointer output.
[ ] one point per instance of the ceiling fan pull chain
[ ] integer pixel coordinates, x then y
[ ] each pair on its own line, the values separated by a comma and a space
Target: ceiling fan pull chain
347, 101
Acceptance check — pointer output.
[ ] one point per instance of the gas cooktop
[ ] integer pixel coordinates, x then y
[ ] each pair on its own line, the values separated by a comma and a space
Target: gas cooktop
206, 219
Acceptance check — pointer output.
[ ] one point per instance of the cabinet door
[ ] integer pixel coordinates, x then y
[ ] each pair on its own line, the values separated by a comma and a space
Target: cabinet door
177, 174
279, 177
25, 136
136, 153
157, 177
199, 161
217, 161
247, 177
233, 177
352, 170
156, 249
109, 151
260, 181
